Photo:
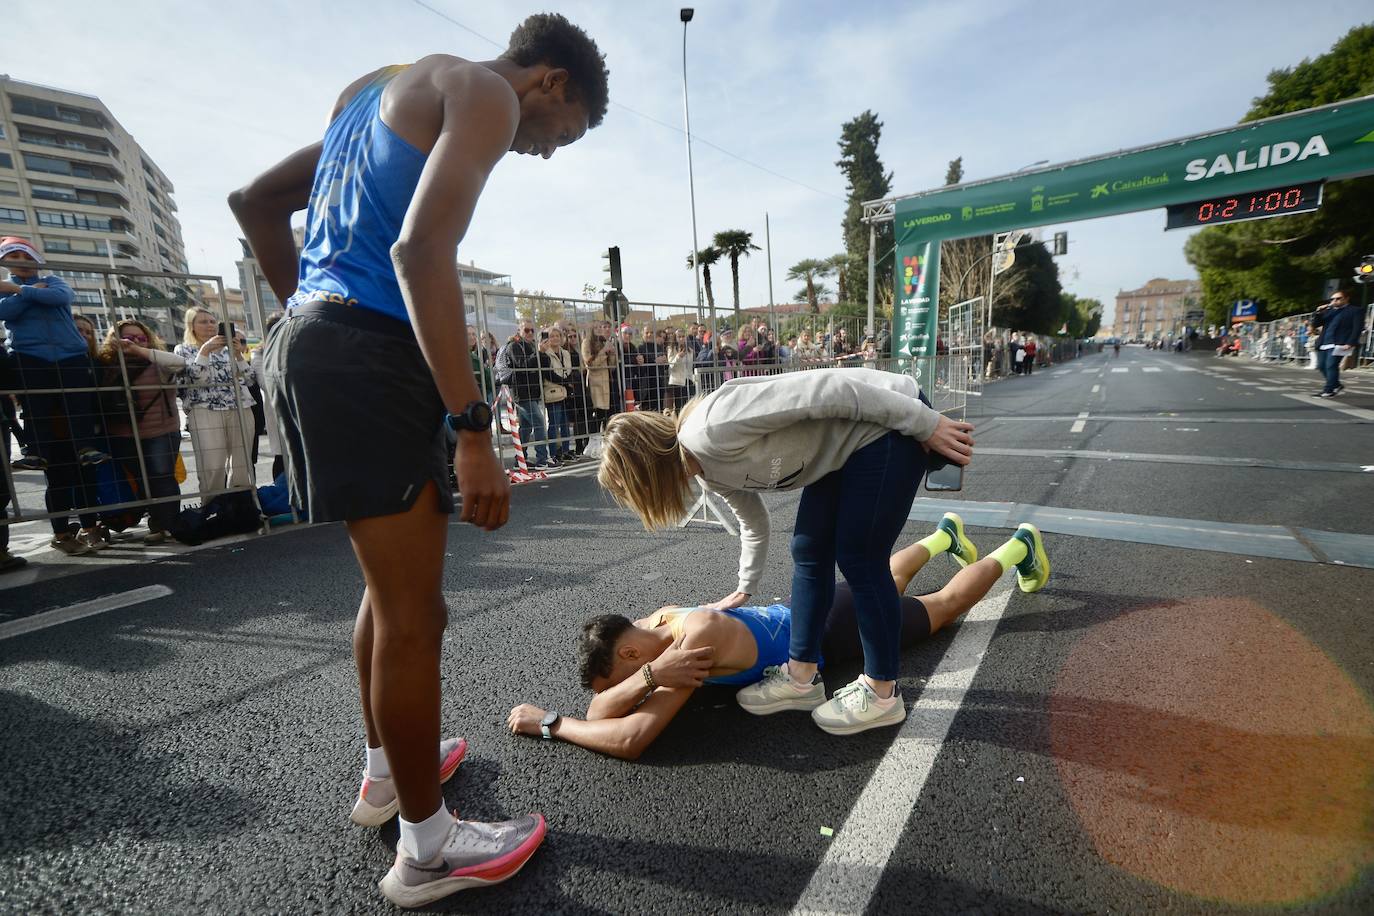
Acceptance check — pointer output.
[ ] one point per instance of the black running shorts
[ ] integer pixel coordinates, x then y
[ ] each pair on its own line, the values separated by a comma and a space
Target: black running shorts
361, 420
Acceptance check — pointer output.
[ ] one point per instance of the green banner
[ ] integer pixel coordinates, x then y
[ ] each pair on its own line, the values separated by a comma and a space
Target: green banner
915, 319
1330, 142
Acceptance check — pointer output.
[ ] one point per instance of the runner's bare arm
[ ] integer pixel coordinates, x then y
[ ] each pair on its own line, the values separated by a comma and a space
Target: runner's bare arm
480, 115
626, 737
677, 667
264, 206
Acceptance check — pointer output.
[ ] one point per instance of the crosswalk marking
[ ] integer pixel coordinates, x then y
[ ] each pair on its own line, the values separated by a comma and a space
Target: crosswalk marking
1121, 370
1152, 369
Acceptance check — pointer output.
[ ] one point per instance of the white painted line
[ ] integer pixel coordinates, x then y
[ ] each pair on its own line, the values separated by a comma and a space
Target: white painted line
1272, 388
1088, 371
1121, 370
1079, 423
1249, 384
1186, 369
845, 880
1152, 369
1329, 404
84, 609
1096, 389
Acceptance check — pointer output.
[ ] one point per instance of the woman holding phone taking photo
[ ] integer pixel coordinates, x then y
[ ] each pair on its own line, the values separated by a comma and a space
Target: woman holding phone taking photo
855, 442
219, 407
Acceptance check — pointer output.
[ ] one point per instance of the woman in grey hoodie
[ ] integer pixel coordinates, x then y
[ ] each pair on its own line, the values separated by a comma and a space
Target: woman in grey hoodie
855, 441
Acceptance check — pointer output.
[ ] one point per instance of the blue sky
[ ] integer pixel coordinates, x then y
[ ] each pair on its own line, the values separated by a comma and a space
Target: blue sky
218, 92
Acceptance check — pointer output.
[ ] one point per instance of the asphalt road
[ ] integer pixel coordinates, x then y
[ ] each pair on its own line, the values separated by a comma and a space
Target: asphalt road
1173, 724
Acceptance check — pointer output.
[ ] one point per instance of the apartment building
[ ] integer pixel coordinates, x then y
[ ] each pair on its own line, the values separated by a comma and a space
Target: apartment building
1159, 310
77, 184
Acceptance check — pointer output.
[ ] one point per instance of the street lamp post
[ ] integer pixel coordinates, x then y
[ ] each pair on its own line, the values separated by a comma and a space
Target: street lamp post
685, 14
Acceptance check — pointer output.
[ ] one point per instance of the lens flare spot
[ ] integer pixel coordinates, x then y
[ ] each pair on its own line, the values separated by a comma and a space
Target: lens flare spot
1211, 748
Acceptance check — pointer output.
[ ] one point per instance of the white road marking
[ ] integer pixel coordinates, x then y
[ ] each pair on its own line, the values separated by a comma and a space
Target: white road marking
846, 878
1152, 369
1087, 371
84, 609
1249, 384
1078, 424
1273, 388
1096, 389
1186, 369
1121, 370
1329, 404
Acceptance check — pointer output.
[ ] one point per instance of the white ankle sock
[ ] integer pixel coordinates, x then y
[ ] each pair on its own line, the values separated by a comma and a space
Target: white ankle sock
423, 841
376, 766
799, 685
882, 701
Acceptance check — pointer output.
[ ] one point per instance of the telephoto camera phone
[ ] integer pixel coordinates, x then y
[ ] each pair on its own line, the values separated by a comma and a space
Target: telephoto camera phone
942, 475
226, 330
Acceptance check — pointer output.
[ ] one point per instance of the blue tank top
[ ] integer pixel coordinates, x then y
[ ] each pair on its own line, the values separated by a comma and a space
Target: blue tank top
772, 630
363, 186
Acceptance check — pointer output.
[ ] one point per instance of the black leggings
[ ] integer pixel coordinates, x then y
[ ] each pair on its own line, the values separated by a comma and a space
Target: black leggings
841, 639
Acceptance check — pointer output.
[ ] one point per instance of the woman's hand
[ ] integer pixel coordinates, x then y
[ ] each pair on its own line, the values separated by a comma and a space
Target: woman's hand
735, 599
129, 348
953, 440
213, 344
525, 720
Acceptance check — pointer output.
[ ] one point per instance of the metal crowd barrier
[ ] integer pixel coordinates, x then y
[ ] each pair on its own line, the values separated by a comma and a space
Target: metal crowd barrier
62, 416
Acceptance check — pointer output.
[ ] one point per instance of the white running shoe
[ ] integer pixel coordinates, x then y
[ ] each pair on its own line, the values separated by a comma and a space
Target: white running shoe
777, 692
474, 855
855, 708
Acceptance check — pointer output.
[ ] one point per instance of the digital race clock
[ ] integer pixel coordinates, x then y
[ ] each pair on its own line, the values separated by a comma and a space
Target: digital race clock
1281, 201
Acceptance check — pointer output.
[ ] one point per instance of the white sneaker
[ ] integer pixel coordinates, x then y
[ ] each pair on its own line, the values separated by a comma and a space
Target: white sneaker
855, 708
777, 692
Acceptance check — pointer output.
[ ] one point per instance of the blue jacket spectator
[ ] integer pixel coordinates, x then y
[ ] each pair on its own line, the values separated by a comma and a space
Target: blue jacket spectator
38, 319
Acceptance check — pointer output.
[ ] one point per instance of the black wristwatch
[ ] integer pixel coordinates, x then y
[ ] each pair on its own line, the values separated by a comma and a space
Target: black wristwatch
549, 721
476, 418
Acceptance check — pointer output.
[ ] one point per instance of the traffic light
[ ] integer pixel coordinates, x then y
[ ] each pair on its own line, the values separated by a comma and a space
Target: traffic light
612, 256
1364, 273
1061, 244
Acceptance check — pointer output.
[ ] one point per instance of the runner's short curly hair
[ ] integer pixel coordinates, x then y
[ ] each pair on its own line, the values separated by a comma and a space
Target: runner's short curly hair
548, 38
596, 648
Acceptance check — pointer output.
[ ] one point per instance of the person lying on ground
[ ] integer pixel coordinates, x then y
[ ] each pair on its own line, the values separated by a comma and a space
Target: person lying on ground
643, 671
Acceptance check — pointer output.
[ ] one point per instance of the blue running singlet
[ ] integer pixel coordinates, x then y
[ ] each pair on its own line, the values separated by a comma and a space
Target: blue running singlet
772, 629
363, 186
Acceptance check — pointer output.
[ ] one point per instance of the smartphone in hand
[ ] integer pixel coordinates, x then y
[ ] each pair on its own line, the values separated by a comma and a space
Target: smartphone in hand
943, 475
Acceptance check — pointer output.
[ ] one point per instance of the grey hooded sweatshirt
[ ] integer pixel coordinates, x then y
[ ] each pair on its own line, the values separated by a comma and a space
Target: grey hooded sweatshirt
787, 431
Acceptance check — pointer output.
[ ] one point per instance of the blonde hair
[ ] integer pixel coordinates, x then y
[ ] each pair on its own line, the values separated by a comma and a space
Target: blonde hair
188, 336
643, 466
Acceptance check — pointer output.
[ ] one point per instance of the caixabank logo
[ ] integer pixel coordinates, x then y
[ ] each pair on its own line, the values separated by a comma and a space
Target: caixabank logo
911, 272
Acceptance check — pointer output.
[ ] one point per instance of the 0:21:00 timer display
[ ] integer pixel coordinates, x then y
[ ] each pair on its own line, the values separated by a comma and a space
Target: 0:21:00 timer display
1299, 198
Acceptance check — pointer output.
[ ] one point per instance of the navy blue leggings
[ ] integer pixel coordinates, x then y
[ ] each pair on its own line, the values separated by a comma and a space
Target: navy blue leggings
851, 518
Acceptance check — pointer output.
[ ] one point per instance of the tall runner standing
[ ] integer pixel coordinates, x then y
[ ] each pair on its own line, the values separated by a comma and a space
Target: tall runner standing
375, 329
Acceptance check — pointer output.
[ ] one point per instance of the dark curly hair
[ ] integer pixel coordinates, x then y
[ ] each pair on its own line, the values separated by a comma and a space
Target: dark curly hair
596, 648
548, 38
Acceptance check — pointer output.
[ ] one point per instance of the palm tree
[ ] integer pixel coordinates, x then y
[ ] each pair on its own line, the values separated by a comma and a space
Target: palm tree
809, 271
808, 293
705, 257
735, 244
838, 265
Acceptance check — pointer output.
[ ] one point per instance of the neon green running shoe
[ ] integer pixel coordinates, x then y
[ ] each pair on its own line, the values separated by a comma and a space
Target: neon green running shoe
1034, 571
960, 547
